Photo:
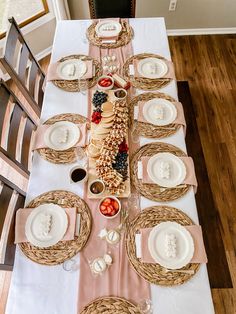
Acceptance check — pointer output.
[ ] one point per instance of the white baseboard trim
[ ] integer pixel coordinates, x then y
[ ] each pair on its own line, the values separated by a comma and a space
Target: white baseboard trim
44, 53
201, 31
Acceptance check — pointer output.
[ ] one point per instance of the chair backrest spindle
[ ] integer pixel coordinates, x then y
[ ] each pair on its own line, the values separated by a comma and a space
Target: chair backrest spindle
16, 129
27, 69
11, 199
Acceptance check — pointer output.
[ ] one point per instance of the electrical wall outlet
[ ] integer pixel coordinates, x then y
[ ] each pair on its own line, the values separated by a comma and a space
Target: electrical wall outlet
172, 5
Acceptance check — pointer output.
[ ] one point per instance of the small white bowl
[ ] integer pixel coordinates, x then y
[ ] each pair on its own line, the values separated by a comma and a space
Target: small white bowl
103, 87
114, 198
99, 181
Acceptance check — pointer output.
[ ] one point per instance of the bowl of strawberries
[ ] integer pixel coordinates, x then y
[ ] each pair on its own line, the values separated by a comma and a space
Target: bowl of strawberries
105, 82
109, 207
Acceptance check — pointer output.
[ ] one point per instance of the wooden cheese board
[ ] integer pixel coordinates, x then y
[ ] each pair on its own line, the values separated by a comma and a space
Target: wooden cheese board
108, 153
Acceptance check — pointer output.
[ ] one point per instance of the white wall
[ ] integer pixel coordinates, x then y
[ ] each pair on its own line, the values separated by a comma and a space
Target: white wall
39, 34
189, 13
41, 38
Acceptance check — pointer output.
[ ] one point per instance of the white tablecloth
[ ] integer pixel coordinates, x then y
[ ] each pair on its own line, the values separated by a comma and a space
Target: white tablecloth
37, 289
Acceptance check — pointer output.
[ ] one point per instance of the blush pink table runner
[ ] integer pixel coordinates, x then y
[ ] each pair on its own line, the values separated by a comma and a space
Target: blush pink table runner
199, 255
119, 279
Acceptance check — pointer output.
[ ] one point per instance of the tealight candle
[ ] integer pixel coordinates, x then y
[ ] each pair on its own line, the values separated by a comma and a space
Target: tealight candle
98, 266
113, 237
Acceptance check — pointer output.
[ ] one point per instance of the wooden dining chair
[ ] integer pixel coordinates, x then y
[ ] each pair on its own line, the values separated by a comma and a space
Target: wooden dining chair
107, 8
11, 199
16, 131
22, 67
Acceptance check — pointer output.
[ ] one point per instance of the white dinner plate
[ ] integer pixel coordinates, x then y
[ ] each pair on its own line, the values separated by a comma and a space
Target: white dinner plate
184, 245
177, 169
71, 69
56, 220
156, 106
152, 68
108, 28
62, 135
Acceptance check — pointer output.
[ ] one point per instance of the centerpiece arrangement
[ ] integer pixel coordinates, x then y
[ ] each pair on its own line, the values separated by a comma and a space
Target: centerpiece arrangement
108, 148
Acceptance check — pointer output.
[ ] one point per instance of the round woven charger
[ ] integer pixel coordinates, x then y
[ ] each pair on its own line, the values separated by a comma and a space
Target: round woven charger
148, 129
65, 156
154, 273
75, 85
110, 305
153, 191
124, 38
143, 82
63, 250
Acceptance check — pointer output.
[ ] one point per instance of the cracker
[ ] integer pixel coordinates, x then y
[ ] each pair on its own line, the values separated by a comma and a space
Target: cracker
107, 106
107, 114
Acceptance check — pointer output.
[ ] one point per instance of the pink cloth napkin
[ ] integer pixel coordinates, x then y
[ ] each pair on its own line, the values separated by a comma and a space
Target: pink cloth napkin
190, 172
199, 255
180, 119
170, 73
41, 129
111, 38
53, 75
21, 218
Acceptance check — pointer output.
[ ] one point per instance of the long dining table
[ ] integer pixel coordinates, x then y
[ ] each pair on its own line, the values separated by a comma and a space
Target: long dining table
41, 289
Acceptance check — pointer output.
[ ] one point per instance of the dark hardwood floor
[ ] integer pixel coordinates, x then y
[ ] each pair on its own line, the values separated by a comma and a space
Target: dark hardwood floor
208, 63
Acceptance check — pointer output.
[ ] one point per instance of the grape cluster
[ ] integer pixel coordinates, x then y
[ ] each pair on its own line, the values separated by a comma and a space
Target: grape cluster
121, 164
98, 99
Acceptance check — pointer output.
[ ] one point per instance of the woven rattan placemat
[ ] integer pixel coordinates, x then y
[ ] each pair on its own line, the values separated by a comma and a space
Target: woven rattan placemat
148, 218
125, 36
142, 82
153, 191
66, 156
75, 85
110, 305
148, 129
63, 250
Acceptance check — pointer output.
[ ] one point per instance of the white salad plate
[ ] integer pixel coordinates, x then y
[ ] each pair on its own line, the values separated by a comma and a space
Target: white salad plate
108, 28
152, 68
71, 69
177, 169
157, 107
62, 135
46, 225
184, 245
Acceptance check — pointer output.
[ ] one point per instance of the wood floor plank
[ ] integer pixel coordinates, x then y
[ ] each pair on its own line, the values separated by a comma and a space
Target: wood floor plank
207, 211
224, 301
208, 63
